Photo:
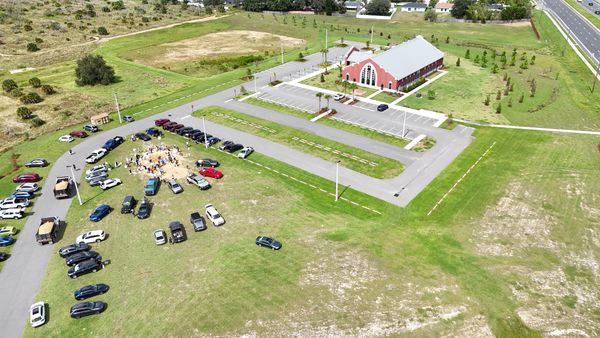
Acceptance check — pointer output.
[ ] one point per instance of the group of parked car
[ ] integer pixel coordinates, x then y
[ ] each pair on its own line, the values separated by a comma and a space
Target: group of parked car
191, 133
99, 153
92, 128
14, 205
98, 176
177, 229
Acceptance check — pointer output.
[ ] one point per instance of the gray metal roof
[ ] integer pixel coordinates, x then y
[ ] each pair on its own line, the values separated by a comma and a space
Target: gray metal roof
359, 56
415, 5
408, 57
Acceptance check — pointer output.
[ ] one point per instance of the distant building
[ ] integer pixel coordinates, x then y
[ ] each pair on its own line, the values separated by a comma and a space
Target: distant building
395, 68
353, 5
413, 7
443, 7
495, 7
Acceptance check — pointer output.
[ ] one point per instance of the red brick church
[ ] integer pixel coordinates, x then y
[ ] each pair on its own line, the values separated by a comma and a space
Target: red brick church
394, 68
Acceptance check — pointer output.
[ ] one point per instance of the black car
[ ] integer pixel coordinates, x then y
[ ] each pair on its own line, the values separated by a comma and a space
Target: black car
3, 256
154, 132
73, 248
226, 144
38, 162
188, 133
177, 232
382, 107
81, 256
213, 140
182, 130
194, 134
268, 242
207, 162
198, 137
197, 221
143, 136
235, 148
90, 291
129, 203
145, 208
86, 309
82, 268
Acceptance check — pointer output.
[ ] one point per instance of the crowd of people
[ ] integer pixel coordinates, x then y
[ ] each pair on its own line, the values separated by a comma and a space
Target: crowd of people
155, 161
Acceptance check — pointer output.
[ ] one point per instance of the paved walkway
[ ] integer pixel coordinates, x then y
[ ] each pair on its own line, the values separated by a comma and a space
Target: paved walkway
552, 130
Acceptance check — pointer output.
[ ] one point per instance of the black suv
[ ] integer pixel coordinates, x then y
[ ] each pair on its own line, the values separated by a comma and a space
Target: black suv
207, 162
90, 291
143, 136
145, 208
91, 265
197, 221
86, 309
234, 148
128, 205
177, 232
81, 256
226, 145
73, 248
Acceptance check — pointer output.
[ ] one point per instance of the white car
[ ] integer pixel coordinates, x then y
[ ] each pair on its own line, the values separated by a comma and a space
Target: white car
338, 96
95, 169
66, 138
160, 237
96, 155
12, 213
245, 152
14, 203
91, 237
27, 187
109, 183
198, 181
37, 314
213, 215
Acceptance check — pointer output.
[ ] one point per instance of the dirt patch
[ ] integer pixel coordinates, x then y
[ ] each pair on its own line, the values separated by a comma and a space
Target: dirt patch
222, 43
159, 161
512, 225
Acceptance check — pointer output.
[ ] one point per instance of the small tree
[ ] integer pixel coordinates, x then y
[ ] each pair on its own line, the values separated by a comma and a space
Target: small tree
327, 97
476, 60
322, 79
32, 47
30, 98
431, 94
532, 87
9, 85
498, 95
430, 15
468, 54
532, 60
35, 82
92, 70
319, 95
487, 100
499, 108
458, 62
521, 98
506, 90
378, 7
23, 113
447, 39
353, 86
102, 30
300, 56
48, 89
249, 73
37, 122
495, 68
510, 101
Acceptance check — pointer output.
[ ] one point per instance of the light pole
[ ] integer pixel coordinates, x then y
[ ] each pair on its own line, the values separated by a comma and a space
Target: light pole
337, 179
255, 90
282, 53
118, 108
372, 34
75, 183
404, 125
595, 75
204, 127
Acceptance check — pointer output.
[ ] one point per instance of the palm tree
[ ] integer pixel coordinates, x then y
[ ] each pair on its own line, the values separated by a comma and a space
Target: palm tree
353, 86
319, 95
345, 83
340, 68
327, 97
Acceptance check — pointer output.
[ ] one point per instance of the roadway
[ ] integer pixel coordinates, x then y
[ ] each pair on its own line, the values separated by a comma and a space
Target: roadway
579, 28
21, 277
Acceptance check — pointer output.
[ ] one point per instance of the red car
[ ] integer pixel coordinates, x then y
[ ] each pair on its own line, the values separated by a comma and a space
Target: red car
174, 127
211, 172
168, 125
28, 177
160, 122
79, 133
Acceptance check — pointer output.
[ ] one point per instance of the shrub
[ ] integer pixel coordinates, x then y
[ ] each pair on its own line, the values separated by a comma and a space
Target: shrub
31, 98
92, 70
48, 89
378, 7
17, 93
105, 9
23, 113
521, 98
487, 100
32, 47
499, 109
498, 95
322, 77
37, 122
9, 85
102, 30
117, 5
35, 82
38, 40
458, 62
431, 94
28, 28
468, 54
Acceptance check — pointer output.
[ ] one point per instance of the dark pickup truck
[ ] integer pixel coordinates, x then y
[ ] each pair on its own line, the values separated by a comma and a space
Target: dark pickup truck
177, 232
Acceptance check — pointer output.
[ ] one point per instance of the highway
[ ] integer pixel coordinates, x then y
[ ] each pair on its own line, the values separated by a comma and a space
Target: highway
585, 34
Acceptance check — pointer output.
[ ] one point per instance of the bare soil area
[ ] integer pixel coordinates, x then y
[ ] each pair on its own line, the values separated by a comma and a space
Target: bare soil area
218, 44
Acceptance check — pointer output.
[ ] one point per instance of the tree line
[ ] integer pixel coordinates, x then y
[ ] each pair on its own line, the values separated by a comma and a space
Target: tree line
479, 10
327, 7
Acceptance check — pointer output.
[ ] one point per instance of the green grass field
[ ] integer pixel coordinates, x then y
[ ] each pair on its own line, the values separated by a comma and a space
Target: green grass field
332, 82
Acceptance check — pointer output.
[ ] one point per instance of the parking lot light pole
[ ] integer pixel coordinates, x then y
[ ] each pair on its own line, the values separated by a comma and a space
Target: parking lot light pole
337, 180
118, 108
75, 183
595, 75
282, 53
404, 125
255, 90
204, 127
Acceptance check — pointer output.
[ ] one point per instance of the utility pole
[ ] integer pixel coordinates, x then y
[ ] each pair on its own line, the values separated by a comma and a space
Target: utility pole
337, 175
118, 108
595, 75
326, 39
75, 183
204, 127
371, 34
255, 90
282, 53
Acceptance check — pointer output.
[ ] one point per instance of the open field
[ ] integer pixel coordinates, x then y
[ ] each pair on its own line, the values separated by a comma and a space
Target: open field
353, 158
332, 123
459, 271
385, 97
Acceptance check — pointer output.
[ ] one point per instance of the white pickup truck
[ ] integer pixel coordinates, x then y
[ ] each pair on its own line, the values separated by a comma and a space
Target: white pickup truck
14, 203
96, 155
